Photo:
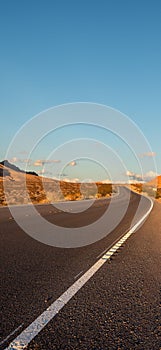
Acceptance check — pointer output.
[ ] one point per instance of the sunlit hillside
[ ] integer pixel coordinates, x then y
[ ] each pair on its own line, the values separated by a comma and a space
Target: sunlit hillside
151, 188
44, 190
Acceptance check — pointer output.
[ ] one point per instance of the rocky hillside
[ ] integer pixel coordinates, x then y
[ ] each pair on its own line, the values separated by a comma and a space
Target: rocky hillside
8, 165
43, 190
156, 181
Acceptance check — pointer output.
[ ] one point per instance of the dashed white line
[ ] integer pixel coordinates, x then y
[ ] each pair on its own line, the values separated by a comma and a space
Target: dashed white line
98, 256
28, 334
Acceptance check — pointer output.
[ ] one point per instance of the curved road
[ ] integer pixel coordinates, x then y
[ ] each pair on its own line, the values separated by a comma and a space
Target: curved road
34, 275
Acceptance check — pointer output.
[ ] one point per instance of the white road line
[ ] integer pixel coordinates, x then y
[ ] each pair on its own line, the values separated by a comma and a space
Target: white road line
98, 256
28, 334
12, 333
118, 245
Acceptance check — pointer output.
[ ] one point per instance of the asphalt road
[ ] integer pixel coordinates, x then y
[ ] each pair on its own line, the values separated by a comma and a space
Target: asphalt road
111, 310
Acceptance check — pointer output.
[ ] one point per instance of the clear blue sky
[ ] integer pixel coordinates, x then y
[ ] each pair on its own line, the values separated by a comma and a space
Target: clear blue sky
104, 51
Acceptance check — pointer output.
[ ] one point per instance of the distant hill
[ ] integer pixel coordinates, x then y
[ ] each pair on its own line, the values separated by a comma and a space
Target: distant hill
4, 172
7, 164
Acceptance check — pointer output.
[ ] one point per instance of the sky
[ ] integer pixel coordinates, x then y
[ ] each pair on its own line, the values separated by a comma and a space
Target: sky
99, 51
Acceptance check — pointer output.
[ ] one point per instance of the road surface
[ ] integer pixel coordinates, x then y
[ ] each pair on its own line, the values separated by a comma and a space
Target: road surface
118, 308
